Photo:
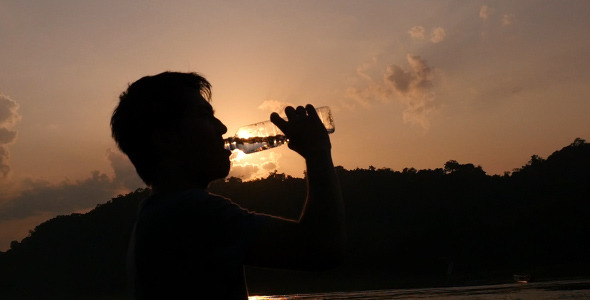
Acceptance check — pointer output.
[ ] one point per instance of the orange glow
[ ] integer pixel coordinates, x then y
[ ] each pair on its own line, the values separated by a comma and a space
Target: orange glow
239, 155
261, 129
243, 133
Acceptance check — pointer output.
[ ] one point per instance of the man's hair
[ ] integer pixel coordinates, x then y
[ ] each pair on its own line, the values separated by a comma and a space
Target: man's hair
149, 104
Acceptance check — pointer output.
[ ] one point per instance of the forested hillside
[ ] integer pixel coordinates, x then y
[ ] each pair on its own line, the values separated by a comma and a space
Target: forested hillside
447, 226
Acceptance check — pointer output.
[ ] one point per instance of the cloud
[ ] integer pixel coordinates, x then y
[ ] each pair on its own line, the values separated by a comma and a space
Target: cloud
438, 35
415, 88
417, 32
362, 69
508, 19
485, 12
126, 178
245, 171
38, 197
8, 111
8, 117
411, 86
4, 167
361, 96
253, 166
7, 136
269, 166
274, 105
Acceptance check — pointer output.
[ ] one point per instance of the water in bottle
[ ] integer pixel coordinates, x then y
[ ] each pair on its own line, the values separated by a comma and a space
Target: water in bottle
265, 135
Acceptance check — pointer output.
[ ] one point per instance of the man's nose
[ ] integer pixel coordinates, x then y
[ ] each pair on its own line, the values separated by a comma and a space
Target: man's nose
222, 127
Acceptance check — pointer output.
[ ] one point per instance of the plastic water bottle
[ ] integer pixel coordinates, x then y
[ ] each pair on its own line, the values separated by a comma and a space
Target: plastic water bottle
265, 135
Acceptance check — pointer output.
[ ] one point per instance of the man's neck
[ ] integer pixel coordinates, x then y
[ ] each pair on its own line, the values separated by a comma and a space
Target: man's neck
171, 185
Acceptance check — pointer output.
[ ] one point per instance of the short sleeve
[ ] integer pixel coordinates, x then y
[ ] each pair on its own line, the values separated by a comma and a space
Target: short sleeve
231, 227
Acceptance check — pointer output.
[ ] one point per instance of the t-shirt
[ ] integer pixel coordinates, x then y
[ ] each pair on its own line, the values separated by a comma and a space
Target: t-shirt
191, 245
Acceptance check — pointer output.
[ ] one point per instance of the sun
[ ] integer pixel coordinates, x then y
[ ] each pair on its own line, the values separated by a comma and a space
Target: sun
237, 155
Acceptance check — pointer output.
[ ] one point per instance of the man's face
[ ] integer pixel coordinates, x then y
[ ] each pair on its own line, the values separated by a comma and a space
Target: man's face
200, 146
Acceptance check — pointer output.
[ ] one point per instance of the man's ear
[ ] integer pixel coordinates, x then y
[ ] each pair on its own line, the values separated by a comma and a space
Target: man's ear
165, 141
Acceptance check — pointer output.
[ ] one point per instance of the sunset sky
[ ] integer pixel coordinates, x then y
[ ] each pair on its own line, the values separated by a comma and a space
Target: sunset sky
410, 83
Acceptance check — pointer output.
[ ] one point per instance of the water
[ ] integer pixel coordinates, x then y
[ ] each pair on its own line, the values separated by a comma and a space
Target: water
565, 289
254, 144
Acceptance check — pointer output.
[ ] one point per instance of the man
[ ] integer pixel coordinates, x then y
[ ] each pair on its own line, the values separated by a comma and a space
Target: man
190, 244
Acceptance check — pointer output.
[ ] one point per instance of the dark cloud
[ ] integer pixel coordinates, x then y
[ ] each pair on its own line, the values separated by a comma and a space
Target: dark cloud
399, 78
7, 136
416, 80
412, 86
4, 167
125, 175
415, 88
8, 117
8, 108
38, 197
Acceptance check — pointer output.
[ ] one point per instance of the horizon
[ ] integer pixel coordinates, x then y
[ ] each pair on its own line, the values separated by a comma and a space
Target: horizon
37, 194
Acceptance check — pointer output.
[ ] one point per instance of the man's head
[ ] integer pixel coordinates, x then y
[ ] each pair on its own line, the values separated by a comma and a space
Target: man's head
164, 123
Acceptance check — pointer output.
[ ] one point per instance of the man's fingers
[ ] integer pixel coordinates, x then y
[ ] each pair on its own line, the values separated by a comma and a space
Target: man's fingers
300, 110
290, 112
294, 115
311, 111
278, 121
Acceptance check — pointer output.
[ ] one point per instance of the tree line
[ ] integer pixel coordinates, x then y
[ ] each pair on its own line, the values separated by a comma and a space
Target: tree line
452, 225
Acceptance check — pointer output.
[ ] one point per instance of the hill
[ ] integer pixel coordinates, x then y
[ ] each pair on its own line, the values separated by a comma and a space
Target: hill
448, 226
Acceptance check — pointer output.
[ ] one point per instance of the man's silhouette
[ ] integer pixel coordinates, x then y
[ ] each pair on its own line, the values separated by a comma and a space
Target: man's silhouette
190, 244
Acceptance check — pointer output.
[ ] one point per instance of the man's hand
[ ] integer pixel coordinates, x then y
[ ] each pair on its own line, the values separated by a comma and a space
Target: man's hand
315, 241
304, 129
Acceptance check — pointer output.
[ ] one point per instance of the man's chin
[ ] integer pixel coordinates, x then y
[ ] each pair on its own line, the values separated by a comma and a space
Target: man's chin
221, 172
223, 175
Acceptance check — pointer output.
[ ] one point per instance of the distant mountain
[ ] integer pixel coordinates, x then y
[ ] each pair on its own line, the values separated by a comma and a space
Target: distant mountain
74, 255
447, 226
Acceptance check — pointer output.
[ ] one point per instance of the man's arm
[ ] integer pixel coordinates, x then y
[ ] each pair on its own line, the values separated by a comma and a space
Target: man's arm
315, 241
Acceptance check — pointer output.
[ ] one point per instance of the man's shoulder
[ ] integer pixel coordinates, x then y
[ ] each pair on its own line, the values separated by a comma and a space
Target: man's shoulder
193, 196
196, 200
202, 198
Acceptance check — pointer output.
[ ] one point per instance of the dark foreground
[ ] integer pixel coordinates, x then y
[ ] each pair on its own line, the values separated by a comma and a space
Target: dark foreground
565, 289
